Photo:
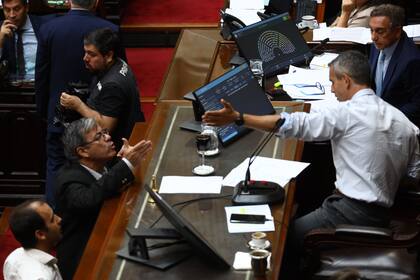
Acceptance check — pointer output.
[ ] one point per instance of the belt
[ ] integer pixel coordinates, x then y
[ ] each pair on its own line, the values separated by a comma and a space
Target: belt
360, 203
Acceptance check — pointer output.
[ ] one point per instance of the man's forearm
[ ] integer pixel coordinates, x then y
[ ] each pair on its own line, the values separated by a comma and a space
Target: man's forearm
266, 122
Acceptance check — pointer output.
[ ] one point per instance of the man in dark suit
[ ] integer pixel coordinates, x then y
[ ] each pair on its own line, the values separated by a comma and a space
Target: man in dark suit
395, 61
85, 182
60, 62
18, 23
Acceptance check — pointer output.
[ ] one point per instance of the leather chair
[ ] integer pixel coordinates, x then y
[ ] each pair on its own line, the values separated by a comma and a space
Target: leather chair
376, 253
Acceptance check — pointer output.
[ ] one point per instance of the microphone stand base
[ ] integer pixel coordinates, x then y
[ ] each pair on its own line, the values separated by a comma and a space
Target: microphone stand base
257, 192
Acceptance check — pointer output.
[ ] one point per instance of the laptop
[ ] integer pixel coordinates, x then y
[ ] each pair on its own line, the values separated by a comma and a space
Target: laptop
239, 87
276, 41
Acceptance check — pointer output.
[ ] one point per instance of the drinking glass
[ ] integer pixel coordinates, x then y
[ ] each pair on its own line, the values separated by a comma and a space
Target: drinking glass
213, 146
203, 141
256, 66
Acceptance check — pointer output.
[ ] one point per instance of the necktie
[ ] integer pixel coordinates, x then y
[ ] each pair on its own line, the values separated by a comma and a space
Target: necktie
20, 60
379, 75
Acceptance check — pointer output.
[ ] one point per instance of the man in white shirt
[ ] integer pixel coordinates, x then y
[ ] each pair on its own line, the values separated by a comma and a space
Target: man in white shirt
374, 147
38, 230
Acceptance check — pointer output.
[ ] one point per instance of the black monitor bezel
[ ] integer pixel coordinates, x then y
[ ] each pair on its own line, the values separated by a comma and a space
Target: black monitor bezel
190, 234
304, 57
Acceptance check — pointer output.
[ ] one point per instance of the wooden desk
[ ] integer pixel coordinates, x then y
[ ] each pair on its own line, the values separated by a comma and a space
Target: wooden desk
176, 155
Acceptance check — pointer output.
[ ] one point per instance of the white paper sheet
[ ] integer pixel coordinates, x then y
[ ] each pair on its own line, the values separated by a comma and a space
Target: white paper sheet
412, 30
190, 184
322, 61
268, 169
252, 210
246, 4
355, 34
246, 16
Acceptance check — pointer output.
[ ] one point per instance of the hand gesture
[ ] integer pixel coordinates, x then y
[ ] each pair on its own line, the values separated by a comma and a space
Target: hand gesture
221, 117
348, 6
135, 153
7, 28
70, 101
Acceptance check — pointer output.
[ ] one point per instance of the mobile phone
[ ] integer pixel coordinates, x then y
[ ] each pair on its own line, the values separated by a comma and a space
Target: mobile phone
247, 218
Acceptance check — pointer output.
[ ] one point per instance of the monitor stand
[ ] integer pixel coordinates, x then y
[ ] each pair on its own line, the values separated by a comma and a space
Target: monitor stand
160, 258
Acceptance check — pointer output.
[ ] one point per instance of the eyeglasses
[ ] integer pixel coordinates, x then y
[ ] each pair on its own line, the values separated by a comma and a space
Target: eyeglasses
318, 89
101, 134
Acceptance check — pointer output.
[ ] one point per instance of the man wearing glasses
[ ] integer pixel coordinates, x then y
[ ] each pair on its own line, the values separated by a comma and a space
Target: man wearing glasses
85, 182
395, 61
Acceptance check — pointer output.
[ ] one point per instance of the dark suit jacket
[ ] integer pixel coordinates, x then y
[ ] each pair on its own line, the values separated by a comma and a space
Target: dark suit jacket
79, 198
8, 52
60, 58
401, 87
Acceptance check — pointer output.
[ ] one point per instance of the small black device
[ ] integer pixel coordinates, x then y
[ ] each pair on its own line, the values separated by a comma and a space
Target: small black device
65, 116
276, 41
239, 87
230, 24
258, 192
247, 219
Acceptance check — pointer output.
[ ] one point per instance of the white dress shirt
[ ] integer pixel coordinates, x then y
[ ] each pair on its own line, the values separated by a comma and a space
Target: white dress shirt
32, 264
373, 144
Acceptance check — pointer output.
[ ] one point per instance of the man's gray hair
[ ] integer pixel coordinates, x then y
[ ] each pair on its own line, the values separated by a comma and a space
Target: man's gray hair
354, 64
74, 136
85, 4
393, 12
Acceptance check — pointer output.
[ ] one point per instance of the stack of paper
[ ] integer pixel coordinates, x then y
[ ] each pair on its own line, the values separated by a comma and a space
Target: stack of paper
293, 81
268, 169
355, 34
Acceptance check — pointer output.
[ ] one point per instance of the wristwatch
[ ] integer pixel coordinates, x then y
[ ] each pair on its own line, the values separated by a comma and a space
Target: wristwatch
240, 120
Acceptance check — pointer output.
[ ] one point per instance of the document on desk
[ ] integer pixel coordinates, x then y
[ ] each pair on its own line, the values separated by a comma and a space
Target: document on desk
359, 35
248, 17
299, 82
263, 209
268, 169
412, 30
191, 184
247, 4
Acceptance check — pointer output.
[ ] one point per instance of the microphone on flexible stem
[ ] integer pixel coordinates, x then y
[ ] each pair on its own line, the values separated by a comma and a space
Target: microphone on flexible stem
321, 44
258, 192
316, 47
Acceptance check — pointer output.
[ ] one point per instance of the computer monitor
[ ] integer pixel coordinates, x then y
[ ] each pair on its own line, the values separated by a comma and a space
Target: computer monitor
239, 87
276, 41
190, 234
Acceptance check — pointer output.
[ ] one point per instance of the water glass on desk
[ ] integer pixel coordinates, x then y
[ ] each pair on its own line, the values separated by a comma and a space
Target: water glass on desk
256, 66
213, 146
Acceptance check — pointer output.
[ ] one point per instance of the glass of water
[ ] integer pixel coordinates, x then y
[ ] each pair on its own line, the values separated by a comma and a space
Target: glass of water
213, 145
256, 66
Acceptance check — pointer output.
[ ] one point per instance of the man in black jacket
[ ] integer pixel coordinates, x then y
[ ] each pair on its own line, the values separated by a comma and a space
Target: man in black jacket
85, 182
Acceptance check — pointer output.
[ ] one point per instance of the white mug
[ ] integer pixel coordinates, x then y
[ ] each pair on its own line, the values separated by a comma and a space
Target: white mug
258, 239
308, 21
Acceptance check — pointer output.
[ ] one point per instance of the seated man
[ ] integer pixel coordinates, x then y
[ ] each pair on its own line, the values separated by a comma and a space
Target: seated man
373, 144
114, 97
395, 61
85, 182
18, 38
38, 230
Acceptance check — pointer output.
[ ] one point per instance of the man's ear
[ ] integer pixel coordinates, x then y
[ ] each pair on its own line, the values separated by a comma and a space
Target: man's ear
40, 234
109, 57
347, 80
82, 152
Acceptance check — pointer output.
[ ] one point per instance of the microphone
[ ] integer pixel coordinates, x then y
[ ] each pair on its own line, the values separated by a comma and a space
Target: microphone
321, 44
258, 192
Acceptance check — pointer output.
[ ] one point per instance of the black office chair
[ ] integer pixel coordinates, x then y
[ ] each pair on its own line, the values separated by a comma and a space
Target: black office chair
376, 253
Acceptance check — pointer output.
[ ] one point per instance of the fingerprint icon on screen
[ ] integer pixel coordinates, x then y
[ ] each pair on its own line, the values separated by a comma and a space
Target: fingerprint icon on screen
271, 42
